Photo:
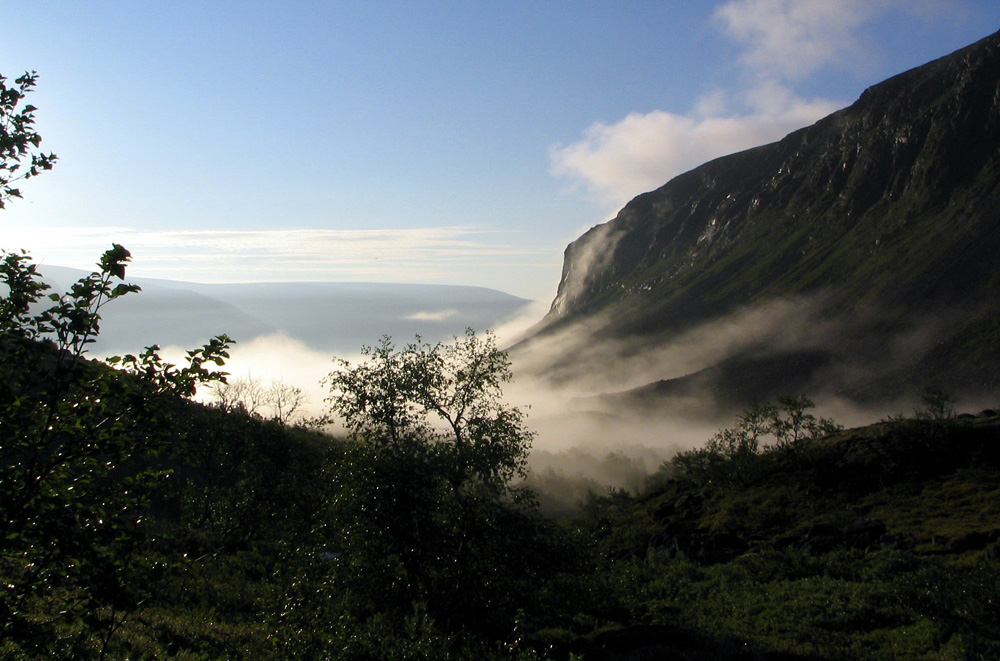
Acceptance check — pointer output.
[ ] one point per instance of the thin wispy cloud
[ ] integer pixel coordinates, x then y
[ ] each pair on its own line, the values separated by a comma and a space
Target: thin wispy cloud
791, 39
783, 42
435, 315
401, 255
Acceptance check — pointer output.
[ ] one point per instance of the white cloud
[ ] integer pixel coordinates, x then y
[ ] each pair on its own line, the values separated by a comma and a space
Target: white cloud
273, 358
643, 151
783, 41
436, 315
791, 38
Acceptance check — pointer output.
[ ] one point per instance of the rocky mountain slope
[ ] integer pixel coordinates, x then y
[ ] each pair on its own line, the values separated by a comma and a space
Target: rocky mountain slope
859, 254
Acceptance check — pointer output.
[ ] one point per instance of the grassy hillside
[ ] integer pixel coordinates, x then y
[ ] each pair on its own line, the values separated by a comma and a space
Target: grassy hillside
874, 543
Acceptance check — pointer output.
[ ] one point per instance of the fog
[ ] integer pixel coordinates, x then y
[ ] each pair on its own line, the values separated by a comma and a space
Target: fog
605, 411
589, 389
335, 317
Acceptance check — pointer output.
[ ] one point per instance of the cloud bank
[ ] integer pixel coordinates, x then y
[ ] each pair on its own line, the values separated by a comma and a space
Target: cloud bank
791, 39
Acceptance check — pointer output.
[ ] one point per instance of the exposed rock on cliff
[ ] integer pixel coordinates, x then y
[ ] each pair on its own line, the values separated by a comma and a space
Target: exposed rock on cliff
884, 217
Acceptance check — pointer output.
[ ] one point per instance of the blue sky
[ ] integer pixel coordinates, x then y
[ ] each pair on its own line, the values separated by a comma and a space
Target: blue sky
434, 142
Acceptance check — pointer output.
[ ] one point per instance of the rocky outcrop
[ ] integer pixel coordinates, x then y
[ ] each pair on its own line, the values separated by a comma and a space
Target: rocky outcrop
924, 143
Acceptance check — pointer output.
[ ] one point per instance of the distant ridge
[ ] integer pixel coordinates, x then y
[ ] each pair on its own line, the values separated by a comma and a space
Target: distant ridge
337, 317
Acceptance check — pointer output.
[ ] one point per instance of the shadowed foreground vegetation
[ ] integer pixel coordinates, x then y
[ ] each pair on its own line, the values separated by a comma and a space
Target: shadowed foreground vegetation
139, 524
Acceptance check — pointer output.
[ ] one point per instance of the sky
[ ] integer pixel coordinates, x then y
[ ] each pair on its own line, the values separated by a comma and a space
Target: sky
428, 142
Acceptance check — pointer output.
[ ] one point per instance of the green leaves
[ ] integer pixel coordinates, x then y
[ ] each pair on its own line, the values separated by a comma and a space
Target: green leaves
428, 514
166, 378
113, 261
730, 455
18, 137
374, 398
76, 438
447, 395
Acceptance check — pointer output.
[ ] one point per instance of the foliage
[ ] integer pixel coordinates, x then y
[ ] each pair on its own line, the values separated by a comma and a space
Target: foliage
137, 524
18, 139
445, 396
178, 530
785, 422
937, 405
873, 543
887, 604
420, 514
73, 491
729, 456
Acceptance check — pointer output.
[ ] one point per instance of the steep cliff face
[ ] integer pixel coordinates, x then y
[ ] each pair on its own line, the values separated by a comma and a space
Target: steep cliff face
890, 205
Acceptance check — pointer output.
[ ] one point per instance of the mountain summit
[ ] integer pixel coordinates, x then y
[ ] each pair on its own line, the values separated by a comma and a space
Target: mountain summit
859, 255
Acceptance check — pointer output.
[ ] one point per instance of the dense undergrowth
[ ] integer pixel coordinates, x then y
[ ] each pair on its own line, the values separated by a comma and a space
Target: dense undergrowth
879, 542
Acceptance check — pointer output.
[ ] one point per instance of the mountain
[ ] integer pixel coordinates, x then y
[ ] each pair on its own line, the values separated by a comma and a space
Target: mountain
857, 256
338, 317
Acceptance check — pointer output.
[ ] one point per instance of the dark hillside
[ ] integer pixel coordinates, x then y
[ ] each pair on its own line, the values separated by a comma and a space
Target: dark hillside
167, 529
881, 218
874, 543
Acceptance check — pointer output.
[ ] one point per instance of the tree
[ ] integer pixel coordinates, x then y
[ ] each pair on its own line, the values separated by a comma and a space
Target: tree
427, 517
18, 139
443, 395
251, 395
730, 455
73, 437
771, 427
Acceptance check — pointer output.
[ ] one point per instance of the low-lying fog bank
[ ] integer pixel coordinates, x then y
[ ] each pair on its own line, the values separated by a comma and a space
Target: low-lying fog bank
590, 437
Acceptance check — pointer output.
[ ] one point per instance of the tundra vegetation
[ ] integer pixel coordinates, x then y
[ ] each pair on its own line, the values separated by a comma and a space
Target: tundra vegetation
137, 523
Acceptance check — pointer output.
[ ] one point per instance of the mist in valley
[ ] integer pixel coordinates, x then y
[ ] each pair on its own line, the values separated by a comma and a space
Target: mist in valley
606, 409
598, 424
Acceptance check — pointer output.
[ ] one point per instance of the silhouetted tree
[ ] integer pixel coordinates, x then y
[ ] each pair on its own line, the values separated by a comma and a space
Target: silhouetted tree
446, 395
427, 516
252, 396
